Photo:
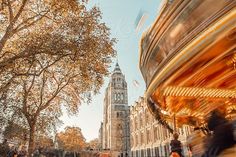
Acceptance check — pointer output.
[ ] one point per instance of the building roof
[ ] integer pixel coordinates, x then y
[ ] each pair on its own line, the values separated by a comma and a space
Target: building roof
117, 68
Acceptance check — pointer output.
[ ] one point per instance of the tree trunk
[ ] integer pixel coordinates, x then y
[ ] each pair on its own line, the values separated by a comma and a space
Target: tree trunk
31, 140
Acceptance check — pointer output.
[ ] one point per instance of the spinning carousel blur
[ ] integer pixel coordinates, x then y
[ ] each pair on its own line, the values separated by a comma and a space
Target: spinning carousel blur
188, 60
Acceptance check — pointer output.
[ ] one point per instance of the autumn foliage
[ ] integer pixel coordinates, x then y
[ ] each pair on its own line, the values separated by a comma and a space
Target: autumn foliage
52, 54
71, 139
94, 144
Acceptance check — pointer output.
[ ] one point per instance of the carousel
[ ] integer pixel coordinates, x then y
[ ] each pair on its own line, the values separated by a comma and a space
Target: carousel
188, 61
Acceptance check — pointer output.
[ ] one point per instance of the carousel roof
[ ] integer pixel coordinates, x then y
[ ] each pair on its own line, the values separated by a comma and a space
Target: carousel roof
197, 73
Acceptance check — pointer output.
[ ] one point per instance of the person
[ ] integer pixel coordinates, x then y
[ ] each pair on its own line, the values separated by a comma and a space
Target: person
12, 152
4, 148
22, 152
196, 141
36, 153
176, 146
222, 137
41, 153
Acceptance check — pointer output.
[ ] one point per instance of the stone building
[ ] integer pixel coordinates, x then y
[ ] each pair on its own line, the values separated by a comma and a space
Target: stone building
100, 134
116, 130
148, 138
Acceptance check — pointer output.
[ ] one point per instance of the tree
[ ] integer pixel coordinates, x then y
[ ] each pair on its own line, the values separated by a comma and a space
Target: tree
52, 58
20, 19
94, 144
15, 132
43, 141
19, 15
71, 140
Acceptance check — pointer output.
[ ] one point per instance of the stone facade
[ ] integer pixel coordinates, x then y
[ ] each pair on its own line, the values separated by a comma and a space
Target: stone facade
100, 136
148, 138
116, 130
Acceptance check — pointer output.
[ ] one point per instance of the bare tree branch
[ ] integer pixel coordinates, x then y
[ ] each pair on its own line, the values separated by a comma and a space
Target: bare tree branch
8, 34
10, 11
42, 68
55, 94
19, 11
42, 89
26, 93
25, 24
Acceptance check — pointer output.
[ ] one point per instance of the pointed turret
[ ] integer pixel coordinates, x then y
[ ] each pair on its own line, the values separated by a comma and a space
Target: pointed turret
117, 79
117, 68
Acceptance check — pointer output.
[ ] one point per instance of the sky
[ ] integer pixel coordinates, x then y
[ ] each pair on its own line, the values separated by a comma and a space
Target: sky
120, 16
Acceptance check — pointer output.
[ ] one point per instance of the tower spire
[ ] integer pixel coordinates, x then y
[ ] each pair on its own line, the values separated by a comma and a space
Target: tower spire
116, 59
117, 68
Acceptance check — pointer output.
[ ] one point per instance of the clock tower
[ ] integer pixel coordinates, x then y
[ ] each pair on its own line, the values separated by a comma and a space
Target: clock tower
119, 87
116, 115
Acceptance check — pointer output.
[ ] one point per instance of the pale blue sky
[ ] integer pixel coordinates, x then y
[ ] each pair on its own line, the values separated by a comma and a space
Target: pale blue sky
120, 16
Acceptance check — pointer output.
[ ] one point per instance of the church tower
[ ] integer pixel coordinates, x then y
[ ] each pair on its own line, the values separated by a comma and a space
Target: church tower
116, 129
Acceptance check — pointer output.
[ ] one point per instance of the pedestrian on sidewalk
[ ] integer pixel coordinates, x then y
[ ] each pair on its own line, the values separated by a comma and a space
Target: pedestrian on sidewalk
176, 146
4, 148
222, 138
22, 152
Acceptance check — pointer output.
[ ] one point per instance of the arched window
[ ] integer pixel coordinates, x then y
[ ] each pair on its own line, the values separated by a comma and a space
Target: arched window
132, 141
122, 96
119, 126
119, 130
114, 96
137, 140
121, 114
142, 138
155, 133
147, 136
118, 96
147, 117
